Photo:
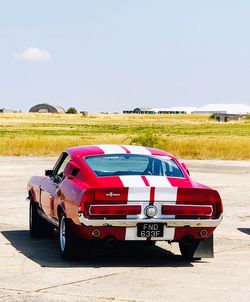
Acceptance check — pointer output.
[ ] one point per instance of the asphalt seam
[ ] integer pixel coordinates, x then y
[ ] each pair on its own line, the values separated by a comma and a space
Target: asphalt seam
16, 290
111, 298
85, 280
233, 248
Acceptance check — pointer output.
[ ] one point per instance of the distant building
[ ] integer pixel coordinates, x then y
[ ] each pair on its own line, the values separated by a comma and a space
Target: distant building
46, 108
174, 110
169, 110
226, 117
4, 110
139, 110
240, 109
223, 108
84, 113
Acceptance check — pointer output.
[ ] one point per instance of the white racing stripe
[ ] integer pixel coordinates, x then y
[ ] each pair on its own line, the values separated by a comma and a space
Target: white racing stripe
137, 149
139, 193
139, 196
158, 181
131, 234
132, 181
166, 194
111, 149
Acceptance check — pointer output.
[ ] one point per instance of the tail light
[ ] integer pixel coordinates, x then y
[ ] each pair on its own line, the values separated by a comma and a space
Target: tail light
107, 203
109, 210
203, 197
215, 200
188, 210
88, 198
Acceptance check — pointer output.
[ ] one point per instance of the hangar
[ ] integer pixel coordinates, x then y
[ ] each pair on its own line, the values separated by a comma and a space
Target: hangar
46, 108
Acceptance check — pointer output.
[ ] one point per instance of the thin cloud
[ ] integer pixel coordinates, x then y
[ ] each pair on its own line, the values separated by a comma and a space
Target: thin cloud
33, 54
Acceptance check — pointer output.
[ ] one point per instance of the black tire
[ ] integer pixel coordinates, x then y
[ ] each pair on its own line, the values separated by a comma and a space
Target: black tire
66, 239
188, 248
39, 228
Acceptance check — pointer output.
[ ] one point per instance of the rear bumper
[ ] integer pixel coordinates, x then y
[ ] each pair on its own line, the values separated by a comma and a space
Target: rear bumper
133, 222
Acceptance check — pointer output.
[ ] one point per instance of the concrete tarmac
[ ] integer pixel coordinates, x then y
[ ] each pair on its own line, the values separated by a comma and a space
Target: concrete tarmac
32, 270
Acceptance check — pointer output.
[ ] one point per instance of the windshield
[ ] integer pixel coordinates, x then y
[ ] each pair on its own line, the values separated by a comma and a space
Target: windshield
132, 164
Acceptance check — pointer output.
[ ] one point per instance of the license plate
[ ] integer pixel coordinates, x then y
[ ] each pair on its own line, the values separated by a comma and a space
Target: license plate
150, 230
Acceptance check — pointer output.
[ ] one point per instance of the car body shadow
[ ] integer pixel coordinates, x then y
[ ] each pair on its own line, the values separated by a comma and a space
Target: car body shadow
244, 230
44, 252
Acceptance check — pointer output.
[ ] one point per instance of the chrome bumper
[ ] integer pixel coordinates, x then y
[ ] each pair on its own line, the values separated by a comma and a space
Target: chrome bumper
133, 222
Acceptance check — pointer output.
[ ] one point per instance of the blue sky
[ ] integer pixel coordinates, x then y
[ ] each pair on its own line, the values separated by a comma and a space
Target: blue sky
112, 55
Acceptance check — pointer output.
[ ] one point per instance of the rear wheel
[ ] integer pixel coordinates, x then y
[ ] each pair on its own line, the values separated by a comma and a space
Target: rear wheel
37, 225
66, 239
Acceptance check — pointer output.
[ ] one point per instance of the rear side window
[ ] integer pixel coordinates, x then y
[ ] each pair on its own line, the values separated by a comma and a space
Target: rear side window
132, 164
61, 164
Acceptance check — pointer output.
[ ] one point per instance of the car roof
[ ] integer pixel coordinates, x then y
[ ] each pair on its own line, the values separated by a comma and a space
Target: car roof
82, 151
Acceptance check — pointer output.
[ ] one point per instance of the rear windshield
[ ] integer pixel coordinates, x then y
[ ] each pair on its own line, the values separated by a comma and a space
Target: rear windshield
132, 164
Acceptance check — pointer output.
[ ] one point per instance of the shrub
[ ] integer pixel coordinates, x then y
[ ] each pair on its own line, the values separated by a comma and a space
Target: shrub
71, 110
147, 139
211, 117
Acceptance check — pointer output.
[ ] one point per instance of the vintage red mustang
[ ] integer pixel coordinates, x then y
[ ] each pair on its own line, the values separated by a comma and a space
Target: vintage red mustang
123, 192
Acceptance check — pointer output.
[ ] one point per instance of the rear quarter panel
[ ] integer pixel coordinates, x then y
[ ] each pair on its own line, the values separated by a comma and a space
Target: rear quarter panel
33, 187
70, 195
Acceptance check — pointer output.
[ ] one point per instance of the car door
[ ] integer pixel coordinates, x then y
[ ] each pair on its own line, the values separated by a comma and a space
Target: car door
50, 184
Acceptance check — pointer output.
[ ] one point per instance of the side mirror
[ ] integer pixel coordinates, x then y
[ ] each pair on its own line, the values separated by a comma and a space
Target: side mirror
49, 173
184, 166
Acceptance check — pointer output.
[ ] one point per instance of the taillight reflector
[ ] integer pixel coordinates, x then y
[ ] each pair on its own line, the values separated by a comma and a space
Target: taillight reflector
190, 210
114, 210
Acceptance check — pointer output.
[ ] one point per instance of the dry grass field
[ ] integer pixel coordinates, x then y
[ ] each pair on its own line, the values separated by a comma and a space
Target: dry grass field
186, 136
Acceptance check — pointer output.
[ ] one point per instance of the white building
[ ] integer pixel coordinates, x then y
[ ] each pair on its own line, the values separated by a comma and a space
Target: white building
223, 108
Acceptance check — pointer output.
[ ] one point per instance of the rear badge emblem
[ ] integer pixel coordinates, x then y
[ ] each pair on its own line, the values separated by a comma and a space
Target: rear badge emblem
111, 194
151, 211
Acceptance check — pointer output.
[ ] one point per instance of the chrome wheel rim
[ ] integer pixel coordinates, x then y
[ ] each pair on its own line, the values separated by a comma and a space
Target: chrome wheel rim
62, 233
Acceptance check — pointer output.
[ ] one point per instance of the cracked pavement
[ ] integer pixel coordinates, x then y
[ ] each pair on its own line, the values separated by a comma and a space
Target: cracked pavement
32, 270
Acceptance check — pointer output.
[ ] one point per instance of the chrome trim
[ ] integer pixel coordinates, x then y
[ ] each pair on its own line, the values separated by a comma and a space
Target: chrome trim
51, 220
62, 235
191, 205
108, 205
133, 222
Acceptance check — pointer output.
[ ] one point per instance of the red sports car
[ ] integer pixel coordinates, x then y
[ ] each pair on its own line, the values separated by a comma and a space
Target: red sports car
121, 192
